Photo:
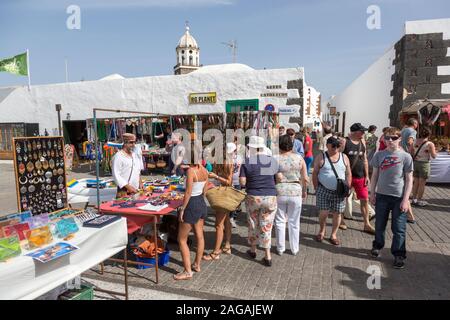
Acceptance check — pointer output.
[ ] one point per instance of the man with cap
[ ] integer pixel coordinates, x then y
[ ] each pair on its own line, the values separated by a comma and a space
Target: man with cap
355, 149
126, 167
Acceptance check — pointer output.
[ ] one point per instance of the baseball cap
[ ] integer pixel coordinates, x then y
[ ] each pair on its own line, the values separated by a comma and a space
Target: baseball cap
357, 127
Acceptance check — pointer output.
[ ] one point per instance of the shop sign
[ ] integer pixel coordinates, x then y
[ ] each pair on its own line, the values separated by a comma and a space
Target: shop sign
242, 105
203, 98
295, 120
270, 107
275, 94
287, 110
273, 87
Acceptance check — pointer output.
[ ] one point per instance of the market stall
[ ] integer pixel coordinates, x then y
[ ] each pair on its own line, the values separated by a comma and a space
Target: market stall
434, 114
28, 274
161, 197
84, 191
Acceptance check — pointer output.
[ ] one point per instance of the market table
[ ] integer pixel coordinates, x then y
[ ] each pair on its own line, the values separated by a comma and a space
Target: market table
137, 218
80, 193
24, 278
440, 168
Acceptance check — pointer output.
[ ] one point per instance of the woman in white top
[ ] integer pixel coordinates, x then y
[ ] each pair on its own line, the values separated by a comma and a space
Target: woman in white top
192, 215
325, 184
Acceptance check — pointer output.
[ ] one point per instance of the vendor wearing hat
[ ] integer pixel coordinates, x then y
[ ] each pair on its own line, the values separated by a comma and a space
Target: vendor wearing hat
126, 167
355, 149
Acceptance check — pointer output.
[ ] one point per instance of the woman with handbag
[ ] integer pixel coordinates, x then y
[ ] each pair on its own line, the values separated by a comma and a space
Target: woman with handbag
222, 175
292, 183
192, 215
332, 178
258, 177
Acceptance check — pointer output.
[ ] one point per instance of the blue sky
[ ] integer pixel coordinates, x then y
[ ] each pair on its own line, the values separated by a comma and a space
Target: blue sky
134, 38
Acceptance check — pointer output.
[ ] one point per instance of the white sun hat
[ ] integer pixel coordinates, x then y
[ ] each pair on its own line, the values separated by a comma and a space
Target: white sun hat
231, 147
256, 142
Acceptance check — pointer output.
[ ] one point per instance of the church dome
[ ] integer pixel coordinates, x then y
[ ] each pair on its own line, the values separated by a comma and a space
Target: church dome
187, 41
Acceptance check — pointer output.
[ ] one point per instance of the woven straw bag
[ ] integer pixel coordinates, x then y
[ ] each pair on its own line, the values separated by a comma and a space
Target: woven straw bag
225, 198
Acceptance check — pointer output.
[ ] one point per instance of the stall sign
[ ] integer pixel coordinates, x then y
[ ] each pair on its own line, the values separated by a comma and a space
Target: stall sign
203, 98
273, 87
287, 110
241, 105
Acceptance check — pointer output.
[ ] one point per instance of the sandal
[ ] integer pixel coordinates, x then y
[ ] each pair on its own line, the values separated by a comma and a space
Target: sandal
226, 250
195, 268
334, 241
211, 256
183, 276
319, 237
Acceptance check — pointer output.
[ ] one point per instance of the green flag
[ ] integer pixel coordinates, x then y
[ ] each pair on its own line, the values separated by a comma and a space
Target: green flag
16, 65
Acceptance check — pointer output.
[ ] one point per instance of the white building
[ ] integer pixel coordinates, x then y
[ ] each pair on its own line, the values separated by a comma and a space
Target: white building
416, 67
312, 111
235, 87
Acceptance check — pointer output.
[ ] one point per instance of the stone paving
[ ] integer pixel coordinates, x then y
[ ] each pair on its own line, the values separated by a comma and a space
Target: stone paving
319, 271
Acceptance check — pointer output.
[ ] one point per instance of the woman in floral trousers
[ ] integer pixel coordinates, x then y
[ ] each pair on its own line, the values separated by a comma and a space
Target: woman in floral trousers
258, 177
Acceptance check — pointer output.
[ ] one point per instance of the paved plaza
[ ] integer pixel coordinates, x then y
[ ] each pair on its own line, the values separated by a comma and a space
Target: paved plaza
319, 271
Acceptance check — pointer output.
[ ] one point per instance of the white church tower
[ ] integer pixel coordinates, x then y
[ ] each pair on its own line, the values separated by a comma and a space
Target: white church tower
188, 54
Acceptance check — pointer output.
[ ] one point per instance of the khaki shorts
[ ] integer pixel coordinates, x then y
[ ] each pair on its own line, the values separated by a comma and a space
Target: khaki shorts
421, 169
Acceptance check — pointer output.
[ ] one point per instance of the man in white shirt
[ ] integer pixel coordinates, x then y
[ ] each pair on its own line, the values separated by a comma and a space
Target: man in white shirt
126, 167
177, 154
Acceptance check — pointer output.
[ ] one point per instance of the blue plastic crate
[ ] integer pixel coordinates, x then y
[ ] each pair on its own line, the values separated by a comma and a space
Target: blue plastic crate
163, 259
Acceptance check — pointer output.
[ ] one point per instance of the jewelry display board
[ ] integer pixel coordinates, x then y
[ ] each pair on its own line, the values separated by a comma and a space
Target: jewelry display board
40, 174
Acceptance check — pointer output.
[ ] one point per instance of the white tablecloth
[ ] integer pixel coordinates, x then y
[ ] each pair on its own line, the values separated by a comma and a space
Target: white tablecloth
440, 169
24, 278
79, 193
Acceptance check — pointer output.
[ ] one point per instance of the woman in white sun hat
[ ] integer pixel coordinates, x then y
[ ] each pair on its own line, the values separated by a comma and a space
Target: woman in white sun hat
258, 176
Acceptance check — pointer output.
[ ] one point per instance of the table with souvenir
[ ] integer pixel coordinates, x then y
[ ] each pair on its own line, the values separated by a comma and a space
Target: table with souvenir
158, 198
47, 244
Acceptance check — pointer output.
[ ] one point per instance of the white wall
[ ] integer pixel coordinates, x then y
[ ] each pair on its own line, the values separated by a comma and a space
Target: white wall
367, 100
161, 94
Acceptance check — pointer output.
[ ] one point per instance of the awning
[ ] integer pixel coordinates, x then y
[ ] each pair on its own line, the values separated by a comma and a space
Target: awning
419, 104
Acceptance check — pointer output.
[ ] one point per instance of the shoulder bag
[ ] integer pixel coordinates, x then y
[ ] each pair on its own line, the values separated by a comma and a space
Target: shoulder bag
342, 188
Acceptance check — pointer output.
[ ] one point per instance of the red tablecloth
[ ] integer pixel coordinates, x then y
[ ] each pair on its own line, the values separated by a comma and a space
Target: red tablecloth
137, 218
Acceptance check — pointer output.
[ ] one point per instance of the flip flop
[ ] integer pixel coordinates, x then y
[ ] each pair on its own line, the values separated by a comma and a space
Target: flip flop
226, 250
212, 256
319, 238
334, 241
183, 276
195, 268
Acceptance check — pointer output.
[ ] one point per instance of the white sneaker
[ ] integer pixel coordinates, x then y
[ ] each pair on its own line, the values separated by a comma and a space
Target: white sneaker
233, 223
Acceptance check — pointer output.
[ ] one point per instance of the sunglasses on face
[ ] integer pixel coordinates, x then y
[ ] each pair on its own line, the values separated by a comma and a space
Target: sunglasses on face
391, 138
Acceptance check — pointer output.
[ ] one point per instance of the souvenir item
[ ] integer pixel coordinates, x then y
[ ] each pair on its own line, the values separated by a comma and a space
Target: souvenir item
66, 227
8, 222
18, 229
53, 252
39, 237
9, 247
85, 216
35, 169
38, 220
101, 221
30, 167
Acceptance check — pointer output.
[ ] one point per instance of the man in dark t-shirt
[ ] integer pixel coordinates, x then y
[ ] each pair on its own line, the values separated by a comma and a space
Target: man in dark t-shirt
355, 149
